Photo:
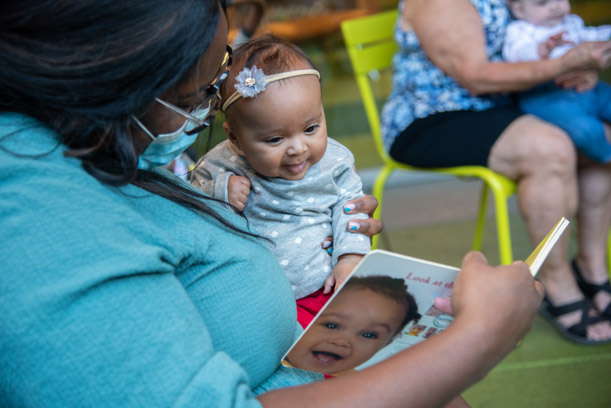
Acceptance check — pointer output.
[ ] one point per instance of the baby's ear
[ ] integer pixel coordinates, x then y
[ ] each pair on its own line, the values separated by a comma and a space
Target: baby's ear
231, 136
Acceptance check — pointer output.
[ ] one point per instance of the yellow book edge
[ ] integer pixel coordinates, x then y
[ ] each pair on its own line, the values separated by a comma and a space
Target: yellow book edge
536, 258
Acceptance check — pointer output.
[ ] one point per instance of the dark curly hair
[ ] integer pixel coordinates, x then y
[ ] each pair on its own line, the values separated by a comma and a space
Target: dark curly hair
393, 288
84, 67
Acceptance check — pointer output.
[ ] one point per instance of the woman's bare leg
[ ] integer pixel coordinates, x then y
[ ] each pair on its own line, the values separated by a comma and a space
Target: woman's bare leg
593, 221
542, 159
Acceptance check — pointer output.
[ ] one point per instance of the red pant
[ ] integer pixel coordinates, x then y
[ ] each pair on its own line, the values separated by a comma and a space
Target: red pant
309, 306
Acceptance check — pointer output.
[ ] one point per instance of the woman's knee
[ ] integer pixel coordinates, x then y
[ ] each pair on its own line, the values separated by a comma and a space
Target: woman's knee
532, 145
552, 144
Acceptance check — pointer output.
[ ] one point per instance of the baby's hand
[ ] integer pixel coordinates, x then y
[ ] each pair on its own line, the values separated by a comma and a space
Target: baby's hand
547, 46
238, 189
345, 265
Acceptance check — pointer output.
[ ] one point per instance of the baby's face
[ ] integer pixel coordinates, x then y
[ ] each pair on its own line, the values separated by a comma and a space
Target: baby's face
282, 131
354, 326
546, 13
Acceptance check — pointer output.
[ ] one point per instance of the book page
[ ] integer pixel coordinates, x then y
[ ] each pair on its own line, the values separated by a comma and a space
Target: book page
366, 309
536, 258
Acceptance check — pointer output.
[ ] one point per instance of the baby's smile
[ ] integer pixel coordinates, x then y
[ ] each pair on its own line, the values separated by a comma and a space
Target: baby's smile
296, 168
326, 358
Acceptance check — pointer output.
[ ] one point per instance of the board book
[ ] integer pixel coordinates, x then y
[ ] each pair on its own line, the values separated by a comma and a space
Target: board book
372, 315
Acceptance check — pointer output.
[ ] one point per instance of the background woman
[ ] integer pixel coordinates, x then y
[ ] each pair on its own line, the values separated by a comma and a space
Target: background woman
449, 106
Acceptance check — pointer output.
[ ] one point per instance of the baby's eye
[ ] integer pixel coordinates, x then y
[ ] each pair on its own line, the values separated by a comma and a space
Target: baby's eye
331, 326
311, 129
273, 140
370, 335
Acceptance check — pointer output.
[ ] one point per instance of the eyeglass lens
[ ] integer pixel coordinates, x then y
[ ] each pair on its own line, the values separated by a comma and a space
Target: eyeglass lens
208, 108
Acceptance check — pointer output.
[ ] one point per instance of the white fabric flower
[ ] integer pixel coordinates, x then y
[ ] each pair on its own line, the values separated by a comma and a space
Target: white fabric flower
250, 82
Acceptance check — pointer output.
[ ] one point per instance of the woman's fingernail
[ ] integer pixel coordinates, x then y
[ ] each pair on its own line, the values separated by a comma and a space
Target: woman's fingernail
330, 251
349, 207
353, 226
326, 244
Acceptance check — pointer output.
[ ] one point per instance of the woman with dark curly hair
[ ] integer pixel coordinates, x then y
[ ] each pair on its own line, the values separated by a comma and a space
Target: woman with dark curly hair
123, 286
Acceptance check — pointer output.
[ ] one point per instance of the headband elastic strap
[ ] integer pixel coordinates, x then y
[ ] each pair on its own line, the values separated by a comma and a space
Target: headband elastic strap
272, 78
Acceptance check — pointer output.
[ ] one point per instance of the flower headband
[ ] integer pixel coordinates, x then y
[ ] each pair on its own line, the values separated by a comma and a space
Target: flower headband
250, 82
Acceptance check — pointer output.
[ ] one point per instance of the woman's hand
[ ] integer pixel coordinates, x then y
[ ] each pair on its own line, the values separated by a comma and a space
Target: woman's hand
580, 81
506, 296
587, 59
370, 226
587, 56
366, 205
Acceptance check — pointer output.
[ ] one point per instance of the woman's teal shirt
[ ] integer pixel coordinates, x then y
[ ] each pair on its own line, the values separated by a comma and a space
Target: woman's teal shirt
116, 297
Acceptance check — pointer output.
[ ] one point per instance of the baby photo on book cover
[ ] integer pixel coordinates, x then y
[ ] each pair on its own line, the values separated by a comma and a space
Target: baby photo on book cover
385, 306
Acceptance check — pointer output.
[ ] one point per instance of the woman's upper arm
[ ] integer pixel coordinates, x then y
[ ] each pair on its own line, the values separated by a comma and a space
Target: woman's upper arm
451, 34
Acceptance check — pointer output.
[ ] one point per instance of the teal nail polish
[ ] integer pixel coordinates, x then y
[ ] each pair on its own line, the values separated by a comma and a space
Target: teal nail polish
349, 207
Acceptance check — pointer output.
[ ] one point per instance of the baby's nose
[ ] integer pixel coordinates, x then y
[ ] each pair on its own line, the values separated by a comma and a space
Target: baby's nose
297, 146
340, 341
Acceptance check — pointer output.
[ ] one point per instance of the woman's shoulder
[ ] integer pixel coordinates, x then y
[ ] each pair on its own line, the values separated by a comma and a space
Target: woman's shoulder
22, 135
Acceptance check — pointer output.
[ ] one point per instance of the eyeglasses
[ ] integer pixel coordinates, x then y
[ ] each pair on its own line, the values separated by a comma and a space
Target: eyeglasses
200, 117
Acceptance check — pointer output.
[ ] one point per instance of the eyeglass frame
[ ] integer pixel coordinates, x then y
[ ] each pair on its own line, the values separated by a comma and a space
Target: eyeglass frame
212, 99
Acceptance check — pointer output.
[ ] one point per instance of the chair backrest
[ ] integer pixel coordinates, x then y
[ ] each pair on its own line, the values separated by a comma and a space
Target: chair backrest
370, 44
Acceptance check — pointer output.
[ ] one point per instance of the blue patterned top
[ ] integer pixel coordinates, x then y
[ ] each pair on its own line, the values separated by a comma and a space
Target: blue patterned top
421, 89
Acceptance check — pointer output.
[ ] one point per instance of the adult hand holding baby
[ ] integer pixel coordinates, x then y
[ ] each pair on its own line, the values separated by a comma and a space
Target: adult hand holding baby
597, 54
365, 205
589, 55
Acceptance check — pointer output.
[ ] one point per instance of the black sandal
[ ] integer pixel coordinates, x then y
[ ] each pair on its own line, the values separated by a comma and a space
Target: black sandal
591, 289
577, 332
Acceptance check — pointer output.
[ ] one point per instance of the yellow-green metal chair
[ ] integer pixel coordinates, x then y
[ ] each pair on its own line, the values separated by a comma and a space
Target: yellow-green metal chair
371, 46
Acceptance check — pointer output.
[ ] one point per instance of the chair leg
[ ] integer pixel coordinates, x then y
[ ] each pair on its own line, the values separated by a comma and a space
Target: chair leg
502, 227
609, 253
481, 218
378, 192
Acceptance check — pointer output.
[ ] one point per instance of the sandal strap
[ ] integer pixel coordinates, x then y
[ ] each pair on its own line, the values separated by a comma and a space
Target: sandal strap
556, 311
589, 289
581, 328
605, 287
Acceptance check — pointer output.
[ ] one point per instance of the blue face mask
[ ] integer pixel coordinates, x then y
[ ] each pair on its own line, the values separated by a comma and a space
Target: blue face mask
168, 146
